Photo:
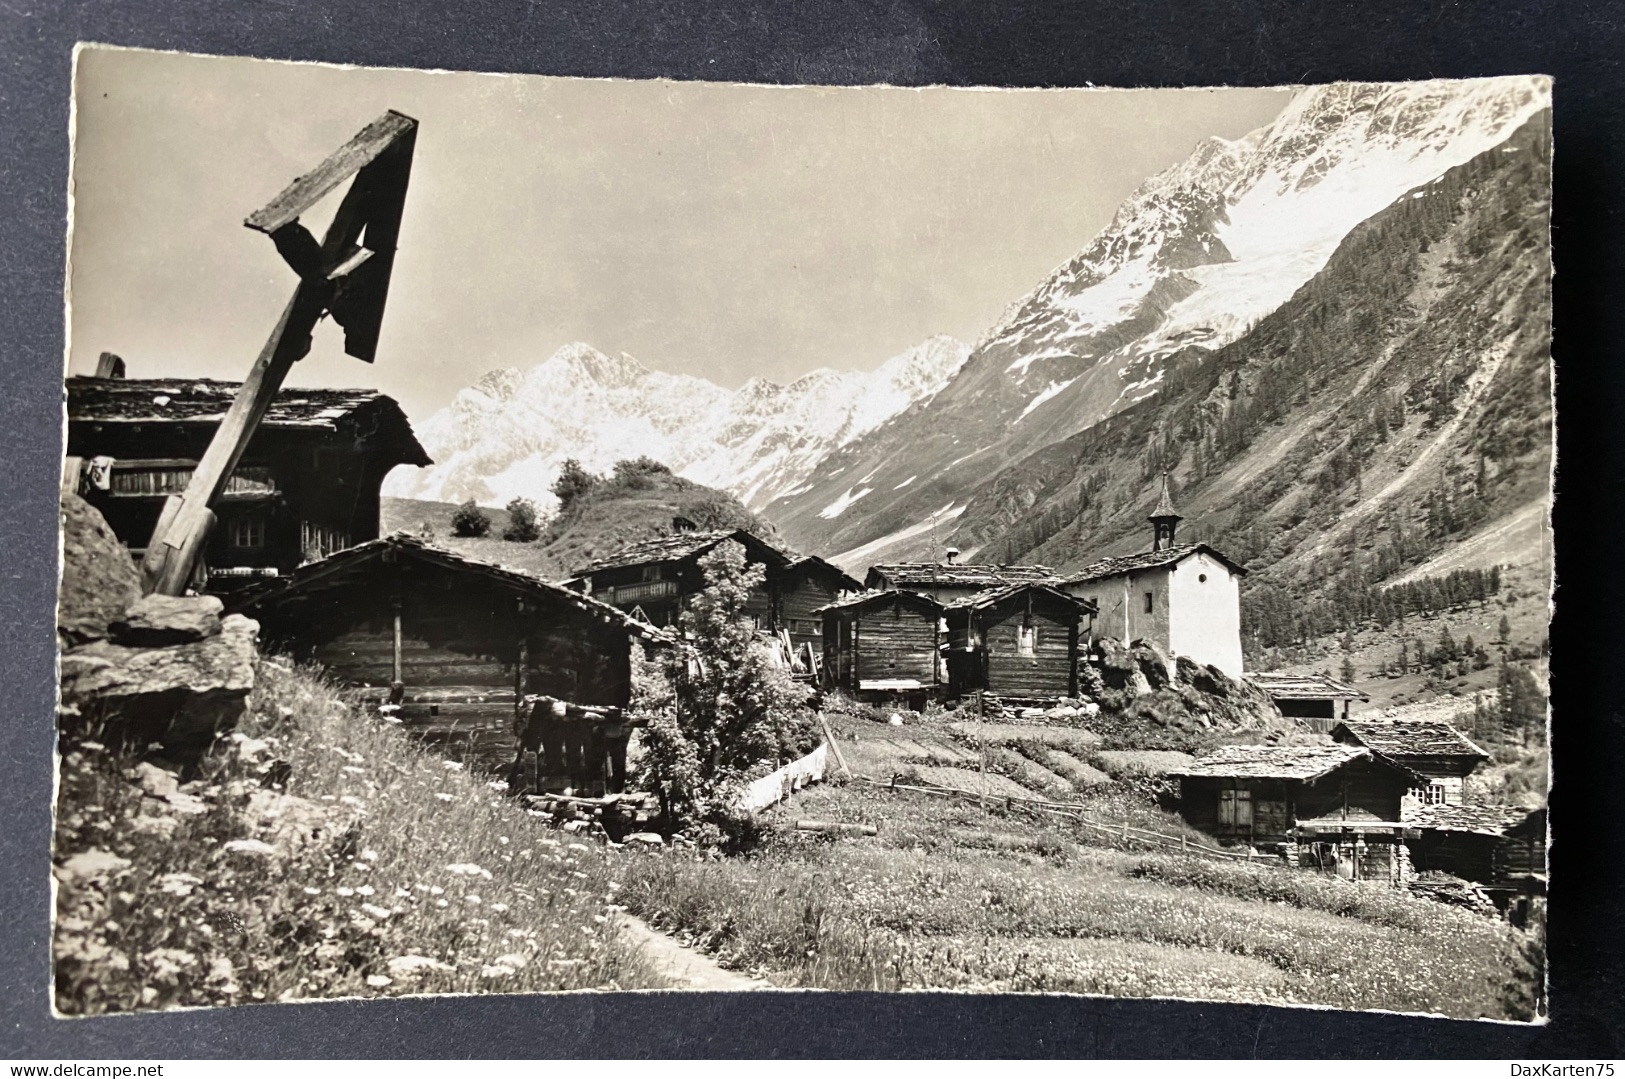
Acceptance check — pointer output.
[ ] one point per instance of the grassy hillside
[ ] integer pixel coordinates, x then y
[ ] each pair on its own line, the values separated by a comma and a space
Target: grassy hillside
315, 853
616, 511
948, 896
1396, 410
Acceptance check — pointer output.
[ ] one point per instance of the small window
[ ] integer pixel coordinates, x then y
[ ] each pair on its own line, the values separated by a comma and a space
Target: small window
1150, 602
248, 532
1430, 795
1201, 578
1026, 640
651, 573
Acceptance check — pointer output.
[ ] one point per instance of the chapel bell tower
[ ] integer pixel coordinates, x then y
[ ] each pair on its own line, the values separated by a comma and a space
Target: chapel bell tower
1163, 519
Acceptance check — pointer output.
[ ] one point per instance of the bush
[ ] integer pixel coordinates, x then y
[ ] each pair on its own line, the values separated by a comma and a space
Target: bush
470, 520
721, 713
523, 526
574, 481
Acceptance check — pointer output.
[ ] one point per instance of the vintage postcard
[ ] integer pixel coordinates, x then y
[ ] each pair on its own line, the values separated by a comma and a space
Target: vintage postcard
530, 534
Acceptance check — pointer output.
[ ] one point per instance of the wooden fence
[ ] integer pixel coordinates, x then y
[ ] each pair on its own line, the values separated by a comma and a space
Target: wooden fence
1123, 832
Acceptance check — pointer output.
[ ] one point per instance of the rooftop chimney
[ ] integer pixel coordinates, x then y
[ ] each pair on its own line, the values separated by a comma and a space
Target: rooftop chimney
109, 365
952, 555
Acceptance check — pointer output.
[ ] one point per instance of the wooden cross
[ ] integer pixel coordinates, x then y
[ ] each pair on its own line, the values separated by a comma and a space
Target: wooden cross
345, 275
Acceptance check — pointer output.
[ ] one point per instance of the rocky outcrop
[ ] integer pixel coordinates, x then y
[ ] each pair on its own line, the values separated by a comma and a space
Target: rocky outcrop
99, 578
180, 696
160, 621
1149, 701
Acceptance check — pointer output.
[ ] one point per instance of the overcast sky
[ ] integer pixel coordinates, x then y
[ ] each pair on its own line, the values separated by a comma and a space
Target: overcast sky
718, 230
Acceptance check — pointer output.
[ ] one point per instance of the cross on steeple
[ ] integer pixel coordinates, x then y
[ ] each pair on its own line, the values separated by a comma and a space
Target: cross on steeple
1163, 519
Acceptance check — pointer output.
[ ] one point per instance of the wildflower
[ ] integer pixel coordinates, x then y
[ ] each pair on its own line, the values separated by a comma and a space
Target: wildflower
345, 892
407, 965
250, 846
351, 800
441, 903
369, 855
312, 891
435, 889
451, 766
181, 884
496, 970
444, 797
468, 869
474, 899
500, 908
378, 981
402, 893
377, 912
365, 889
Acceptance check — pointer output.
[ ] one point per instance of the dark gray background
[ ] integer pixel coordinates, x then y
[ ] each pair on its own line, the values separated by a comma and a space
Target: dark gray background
907, 42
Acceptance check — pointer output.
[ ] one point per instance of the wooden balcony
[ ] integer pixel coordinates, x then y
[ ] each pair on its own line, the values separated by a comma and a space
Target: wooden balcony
625, 595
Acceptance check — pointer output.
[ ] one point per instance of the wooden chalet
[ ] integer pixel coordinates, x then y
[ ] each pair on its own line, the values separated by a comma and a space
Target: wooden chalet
884, 644
306, 486
654, 577
1332, 807
464, 652
1314, 697
951, 580
1018, 641
1430, 747
1500, 847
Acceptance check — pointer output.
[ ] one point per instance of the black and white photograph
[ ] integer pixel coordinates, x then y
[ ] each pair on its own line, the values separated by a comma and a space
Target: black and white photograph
539, 534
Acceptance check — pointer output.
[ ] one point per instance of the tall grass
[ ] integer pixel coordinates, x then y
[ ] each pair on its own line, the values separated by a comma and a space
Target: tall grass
944, 899
382, 869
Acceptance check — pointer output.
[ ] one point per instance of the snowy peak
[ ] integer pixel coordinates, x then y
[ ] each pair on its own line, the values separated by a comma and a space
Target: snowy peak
507, 434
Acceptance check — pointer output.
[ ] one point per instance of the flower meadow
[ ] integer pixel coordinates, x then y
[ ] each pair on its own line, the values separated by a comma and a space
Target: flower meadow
932, 904
315, 853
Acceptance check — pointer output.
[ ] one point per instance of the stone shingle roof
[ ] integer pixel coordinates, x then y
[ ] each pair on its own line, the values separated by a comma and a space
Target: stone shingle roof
875, 597
989, 597
1409, 738
1272, 762
1112, 567
963, 574
1299, 687
1478, 819
680, 546
205, 400
323, 571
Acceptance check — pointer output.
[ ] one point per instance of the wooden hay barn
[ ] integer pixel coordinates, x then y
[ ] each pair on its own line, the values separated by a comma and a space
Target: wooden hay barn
1017, 641
1320, 700
1434, 748
306, 486
458, 650
880, 644
655, 576
1336, 808
1500, 847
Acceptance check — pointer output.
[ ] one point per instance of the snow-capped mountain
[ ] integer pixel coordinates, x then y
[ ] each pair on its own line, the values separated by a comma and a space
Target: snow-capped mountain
507, 435
1193, 258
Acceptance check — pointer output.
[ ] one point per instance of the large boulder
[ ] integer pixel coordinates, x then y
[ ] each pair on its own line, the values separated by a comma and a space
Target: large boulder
1152, 663
99, 578
180, 696
161, 621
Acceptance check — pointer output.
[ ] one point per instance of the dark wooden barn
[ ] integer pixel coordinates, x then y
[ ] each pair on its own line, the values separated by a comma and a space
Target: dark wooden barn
306, 486
1019, 641
1316, 698
1434, 748
654, 577
946, 581
1332, 807
1499, 846
460, 651
884, 644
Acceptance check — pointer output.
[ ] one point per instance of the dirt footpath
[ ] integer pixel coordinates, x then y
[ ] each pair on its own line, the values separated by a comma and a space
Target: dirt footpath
687, 968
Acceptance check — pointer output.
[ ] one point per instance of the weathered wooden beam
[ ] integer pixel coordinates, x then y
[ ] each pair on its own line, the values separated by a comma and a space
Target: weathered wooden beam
835, 827
340, 165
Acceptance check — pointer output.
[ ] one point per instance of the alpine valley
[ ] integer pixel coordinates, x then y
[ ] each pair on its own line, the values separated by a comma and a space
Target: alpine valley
1331, 334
